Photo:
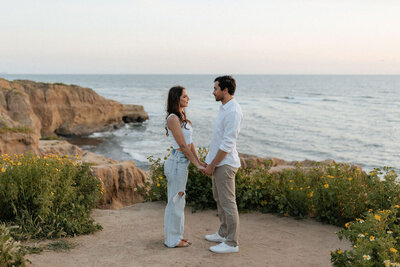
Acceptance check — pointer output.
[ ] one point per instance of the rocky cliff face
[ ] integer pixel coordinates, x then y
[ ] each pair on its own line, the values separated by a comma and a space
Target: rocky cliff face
29, 110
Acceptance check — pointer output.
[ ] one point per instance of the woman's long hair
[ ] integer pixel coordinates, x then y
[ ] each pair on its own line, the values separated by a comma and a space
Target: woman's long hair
174, 96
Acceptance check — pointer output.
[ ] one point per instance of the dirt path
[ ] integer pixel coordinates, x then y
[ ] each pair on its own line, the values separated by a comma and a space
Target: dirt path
133, 236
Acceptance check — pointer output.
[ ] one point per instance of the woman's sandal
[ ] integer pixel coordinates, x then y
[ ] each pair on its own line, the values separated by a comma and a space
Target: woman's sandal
185, 240
183, 244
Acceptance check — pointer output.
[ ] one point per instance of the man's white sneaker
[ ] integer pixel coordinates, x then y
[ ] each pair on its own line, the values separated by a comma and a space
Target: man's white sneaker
215, 238
224, 248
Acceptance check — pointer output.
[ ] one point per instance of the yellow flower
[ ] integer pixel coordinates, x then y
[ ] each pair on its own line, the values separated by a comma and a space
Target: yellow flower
330, 176
158, 185
3, 170
347, 225
326, 185
311, 194
291, 188
19, 164
291, 181
340, 252
387, 262
57, 169
371, 238
350, 179
389, 232
377, 217
301, 188
160, 177
371, 173
397, 206
393, 250
135, 189
44, 157
52, 193
370, 210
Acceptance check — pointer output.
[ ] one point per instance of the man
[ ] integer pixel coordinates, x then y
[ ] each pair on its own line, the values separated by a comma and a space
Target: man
222, 163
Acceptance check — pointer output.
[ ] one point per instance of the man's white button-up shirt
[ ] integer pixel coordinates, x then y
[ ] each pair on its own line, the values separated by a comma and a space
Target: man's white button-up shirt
225, 134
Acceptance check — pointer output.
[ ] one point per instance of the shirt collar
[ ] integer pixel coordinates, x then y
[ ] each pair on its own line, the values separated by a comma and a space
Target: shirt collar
228, 104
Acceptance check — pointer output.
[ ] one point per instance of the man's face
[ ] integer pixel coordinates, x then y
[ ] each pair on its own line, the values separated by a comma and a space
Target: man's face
218, 93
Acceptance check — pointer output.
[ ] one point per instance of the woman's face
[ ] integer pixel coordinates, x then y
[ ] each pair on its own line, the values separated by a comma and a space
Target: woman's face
184, 99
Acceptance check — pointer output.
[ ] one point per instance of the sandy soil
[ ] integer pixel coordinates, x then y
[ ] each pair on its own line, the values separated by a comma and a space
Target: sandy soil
133, 236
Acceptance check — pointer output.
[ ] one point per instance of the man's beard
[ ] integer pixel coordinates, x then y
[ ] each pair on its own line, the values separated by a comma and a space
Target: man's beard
218, 98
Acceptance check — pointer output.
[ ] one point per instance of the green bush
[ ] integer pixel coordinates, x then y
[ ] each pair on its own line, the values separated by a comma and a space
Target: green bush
47, 196
10, 251
375, 240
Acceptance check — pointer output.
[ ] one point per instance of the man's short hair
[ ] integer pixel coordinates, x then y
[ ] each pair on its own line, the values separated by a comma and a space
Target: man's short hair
226, 82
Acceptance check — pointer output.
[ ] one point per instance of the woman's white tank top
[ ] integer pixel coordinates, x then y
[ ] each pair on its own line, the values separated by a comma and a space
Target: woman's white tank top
187, 133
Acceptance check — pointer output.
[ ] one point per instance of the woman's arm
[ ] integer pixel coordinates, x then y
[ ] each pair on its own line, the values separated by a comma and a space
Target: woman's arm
175, 126
194, 152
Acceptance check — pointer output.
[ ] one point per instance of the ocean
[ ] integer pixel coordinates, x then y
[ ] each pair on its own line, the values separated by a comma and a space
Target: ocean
346, 118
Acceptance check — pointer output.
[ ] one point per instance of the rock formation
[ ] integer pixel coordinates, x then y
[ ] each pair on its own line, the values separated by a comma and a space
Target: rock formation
30, 110
119, 178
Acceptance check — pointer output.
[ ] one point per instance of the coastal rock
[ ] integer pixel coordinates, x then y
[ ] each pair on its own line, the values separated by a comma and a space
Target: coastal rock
45, 109
119, 179
277, 165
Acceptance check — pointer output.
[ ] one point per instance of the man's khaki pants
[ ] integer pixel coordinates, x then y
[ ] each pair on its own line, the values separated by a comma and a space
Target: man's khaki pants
224, 194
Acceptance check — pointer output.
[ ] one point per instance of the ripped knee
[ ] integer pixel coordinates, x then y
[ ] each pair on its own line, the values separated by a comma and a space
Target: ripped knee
181, 194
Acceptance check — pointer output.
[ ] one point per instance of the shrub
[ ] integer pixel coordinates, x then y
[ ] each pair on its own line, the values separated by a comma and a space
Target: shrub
10, 251
375, 240
47, 196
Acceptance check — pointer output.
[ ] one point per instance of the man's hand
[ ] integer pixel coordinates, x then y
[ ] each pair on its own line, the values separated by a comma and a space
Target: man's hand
209, 170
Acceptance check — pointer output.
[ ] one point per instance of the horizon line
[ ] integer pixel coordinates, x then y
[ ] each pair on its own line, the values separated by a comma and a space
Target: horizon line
255, 74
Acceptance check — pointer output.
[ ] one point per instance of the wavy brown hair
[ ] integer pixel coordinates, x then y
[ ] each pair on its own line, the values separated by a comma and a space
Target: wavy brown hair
174, 96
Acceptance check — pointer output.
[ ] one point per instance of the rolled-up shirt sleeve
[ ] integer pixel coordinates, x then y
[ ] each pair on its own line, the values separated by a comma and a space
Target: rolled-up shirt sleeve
231, 131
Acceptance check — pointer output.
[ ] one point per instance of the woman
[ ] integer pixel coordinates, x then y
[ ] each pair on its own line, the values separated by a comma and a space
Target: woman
179, 129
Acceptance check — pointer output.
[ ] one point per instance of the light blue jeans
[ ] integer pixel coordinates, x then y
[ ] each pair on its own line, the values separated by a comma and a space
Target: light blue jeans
176, 171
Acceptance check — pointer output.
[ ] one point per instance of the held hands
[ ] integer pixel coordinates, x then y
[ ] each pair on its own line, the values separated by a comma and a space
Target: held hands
209, 170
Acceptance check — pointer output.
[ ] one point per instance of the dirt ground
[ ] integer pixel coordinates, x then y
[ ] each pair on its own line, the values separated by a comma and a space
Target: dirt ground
133, 236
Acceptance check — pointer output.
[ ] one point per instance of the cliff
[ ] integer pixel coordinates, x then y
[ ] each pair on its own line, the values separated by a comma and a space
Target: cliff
30, 110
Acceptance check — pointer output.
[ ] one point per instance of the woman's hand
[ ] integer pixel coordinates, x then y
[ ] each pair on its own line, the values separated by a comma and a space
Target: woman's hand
203, 164
200, 167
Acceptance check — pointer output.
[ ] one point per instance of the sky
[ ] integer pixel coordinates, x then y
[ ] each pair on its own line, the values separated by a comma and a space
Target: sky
200, 37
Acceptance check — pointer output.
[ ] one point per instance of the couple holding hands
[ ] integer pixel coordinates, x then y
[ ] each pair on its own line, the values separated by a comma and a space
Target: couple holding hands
222, 163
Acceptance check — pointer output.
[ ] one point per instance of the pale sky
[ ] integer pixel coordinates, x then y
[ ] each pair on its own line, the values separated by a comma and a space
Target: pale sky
200, 37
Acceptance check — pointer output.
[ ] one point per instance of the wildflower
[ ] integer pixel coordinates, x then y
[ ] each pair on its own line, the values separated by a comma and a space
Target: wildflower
371, 173
291, 188
330, 176
301, 188
3, 170
158, 185
397, 206
19, 164
377, 217
359, 220
393, 250
389, 232
350, 179
311, 194
135, 189
160, 177
51, 193
340, 252
387, 262
44, 157
347, 225
371, 238
370, 210
361, 235
367, 257
326, 185
57, 169
291, 181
